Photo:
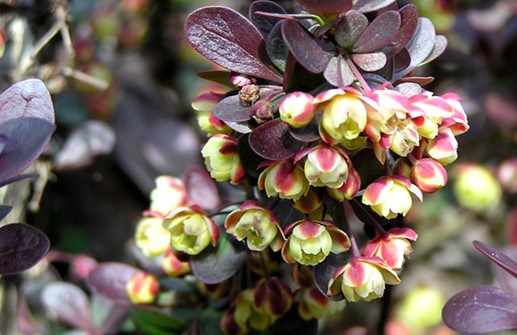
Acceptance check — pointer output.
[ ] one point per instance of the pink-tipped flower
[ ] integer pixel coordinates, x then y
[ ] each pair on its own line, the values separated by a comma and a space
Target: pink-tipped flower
222, 159
173, 266
392, 246
362, 278
325, 165
296, 109
257, 225
314, 304
428, 175
191, 230
142, 288
457, 123
310, 242
344, 114
349, 188
150, 236
169, 194
443, 148
204, 104
285, 180
390, 196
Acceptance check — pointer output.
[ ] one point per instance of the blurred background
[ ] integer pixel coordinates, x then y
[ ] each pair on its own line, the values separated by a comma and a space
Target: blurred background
122, 80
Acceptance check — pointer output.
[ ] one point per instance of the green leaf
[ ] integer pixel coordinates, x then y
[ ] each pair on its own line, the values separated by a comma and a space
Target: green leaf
151, 322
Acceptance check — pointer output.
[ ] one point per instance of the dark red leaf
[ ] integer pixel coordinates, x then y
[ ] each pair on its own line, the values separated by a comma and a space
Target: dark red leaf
264, 23
367, 6
370, 62
422, 81
110, 280
408, 23
496, 256
27, 138
350, 27
21, 246
402, 60
276, 48
304, 47
201, 188
308, 133
230, 109
380, 33
481, 309
326, 6
28, 98
338, 73
227, 38
273, 141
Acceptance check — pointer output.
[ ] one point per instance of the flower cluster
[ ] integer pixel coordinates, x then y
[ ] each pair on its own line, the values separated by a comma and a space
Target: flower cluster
324, 124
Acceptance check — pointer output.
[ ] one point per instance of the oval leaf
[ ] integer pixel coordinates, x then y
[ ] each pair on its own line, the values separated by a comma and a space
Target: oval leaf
69, 303
381, 32
367, 6
273, 141
507, 281
370, 62
481, 309
304, 47
227, 38
21, 246
26, 139
264, 23
230, 109
350, 27
421, 44
308, 133
323, 272
201, 188
276, 48
153, 322
440, 44
338, 72
408, 23
215, 265
28, 98
496, 256
110, 279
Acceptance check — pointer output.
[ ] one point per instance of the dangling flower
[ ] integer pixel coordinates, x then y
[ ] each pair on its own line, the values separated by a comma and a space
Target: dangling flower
428, 175
150, 237
390, 196
169, 194
204, 104
314, 304
392, 246
296, 109
285, 180
222, 159
362, 278
310, 242
443, 148
191, 230
257, 225
325, 165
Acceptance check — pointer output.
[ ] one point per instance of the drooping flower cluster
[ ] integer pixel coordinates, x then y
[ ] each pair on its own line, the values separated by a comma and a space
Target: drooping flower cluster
320, 120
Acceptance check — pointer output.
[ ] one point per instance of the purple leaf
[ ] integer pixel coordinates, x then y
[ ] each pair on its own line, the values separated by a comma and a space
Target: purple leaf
440, 44
367, 6
26, 139
350, 27
28, 98
408, 23
273, 141
4, 211
370, 62
496, 256
308, 133
338, 73
327, 6
227, 38
110, 279
107, 315
380, 33
230, 109
481, 309
402, 60
507, 281
201, 188
264, 23
276, 48
304, 47
323, 272
21, 246
69, 303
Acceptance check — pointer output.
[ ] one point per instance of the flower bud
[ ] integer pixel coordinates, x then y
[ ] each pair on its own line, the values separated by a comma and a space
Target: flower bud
272, 296
204, 104
296, 109
151, 238
222, 159
443, 148
476, 188
257, 225
169, 194
392, 246
310, 242
249, 94
428, 175
326, 166
362, 278
285, 180
191, 230
172, 266
142, 288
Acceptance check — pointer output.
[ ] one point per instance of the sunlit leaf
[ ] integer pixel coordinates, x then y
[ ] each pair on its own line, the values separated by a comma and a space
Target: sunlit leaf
370, 62
304, 47
69, 303
227, 38
110, 280
273, 141
21, 247
367, 6
482, 309
496, 256
216, 264
264, 23
350, 27
230, 109
440, 44
338, 72
380, 33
